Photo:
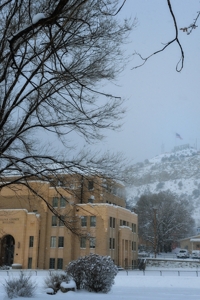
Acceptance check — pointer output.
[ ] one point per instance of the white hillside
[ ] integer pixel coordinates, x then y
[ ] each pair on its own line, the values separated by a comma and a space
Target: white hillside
177, 171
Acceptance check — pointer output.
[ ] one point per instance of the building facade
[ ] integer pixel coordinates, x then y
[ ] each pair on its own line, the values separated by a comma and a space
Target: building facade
190, 243
32, 235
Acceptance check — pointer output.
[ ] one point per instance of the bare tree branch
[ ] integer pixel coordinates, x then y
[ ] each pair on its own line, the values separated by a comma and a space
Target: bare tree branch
180, 63
192, 26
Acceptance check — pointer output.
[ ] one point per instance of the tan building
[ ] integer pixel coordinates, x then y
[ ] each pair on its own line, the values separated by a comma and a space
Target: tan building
190, 243
33, 236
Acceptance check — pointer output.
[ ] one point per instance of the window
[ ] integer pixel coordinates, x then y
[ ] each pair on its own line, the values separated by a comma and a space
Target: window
52, 263
124, 223
61, 241
83, 242
113, 222
53, 242
90, 185
110, 222
60, 263
30, 263
61, 221
84, 221
55, 202
92, 221
121, 222
134, 246
92, 243
54, 221
31, 240
90, 200
133, 227
113, 243
110, 243
63, 202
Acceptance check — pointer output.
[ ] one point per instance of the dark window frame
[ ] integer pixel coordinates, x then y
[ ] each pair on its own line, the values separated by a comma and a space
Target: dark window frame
111, 222
61, 242
52, 263
31, 241
110, 243
60, 263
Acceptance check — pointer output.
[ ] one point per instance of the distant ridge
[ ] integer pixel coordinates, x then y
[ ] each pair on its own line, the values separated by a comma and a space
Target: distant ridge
177, 171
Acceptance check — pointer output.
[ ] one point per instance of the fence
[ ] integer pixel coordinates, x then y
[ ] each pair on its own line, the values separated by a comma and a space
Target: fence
161, 272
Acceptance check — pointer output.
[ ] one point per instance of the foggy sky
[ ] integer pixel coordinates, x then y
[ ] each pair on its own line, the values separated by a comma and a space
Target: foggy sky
160, 102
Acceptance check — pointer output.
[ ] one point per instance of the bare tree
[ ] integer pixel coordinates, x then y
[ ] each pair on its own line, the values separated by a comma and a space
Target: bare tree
163, 219
53, 57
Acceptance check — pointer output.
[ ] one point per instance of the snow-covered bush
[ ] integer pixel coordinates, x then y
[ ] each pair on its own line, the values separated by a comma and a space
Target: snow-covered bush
77, 270
100, 274
54, 280
94, 273
21, 286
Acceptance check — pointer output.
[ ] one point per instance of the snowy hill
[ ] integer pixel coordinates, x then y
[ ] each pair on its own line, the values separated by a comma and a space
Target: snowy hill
177, 172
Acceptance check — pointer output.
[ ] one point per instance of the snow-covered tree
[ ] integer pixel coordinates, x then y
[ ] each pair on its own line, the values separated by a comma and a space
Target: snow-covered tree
94, 273
162, 219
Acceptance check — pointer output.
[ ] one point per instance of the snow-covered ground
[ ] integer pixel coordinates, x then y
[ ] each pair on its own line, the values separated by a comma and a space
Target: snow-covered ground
135, 285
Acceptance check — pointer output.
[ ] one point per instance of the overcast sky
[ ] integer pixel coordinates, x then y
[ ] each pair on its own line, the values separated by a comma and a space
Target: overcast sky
160, 101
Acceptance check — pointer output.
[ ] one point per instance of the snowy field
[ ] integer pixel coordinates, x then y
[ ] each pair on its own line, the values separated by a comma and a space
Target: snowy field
172, 285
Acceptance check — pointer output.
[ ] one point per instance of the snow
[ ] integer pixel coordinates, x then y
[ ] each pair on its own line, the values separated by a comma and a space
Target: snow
69, 285
49, 290
38, 17
128, 286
